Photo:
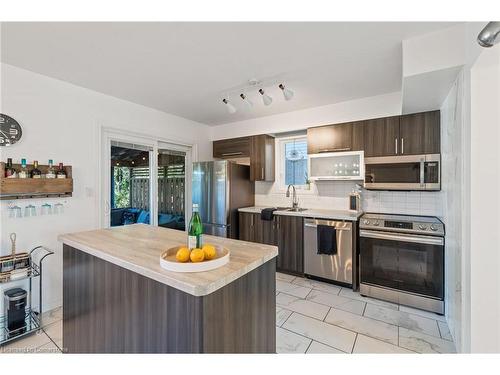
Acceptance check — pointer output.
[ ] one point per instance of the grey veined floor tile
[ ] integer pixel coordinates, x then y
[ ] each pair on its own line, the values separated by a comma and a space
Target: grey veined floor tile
292, 289
300, 305
403, 319
349, 293
340, 302
370, 327
319, 348
282, 315
422, 343
318, 285
365, 344
289, 342
445, 331
322, 332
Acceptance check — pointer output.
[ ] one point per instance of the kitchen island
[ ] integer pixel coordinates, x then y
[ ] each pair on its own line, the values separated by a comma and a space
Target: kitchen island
117, 298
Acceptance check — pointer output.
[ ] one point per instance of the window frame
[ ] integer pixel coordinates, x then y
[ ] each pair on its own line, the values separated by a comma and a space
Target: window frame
281, 161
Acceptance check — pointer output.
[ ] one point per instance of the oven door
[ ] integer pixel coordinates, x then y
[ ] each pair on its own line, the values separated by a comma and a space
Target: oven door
410, 263
408, 172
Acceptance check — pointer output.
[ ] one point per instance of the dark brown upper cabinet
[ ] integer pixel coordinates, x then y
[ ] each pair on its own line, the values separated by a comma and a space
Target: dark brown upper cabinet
419, 133
381, 136
330, 138
262, 158
415, 134
358, 136
232, 148
257, 151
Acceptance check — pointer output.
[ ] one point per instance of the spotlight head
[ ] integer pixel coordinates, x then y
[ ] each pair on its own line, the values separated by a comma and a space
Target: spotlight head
287, 93
230, 108
245, 99
265, 98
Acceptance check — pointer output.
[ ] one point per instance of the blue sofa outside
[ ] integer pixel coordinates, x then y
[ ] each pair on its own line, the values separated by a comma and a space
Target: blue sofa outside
125, 216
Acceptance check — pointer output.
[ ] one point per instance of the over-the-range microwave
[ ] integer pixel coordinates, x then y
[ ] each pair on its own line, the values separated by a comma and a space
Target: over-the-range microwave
404, 172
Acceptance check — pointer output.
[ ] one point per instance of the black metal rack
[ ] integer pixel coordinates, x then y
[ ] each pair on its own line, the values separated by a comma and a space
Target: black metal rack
33, 317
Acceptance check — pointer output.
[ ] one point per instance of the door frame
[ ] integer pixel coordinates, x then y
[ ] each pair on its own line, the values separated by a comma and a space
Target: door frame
109, 134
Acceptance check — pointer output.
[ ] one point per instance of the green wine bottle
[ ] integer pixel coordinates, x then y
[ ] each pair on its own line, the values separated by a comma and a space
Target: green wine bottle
195, 229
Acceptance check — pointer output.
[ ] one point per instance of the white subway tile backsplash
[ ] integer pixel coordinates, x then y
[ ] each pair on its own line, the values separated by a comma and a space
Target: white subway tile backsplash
334, 195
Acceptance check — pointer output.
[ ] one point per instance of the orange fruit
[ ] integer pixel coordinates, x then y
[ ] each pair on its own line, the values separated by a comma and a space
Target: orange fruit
182, 254
209, 250
197, 255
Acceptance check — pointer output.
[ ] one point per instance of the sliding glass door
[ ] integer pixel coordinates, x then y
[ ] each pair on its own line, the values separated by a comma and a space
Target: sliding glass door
144, 180
171, 189
130, 192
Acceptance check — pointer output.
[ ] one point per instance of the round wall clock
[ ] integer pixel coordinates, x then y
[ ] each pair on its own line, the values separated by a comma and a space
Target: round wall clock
10, 130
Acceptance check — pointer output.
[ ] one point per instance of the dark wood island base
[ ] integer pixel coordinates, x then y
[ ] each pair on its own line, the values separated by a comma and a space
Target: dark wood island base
109, 309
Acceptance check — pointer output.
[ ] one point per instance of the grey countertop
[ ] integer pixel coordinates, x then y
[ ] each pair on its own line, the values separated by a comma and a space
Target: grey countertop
313, 212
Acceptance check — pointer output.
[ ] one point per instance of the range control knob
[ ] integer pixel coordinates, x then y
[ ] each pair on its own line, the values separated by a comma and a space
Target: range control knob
376, 223
422, 227
434, 228
366, 222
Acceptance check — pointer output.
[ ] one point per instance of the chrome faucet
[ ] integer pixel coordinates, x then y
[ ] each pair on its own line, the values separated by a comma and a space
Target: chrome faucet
295, 202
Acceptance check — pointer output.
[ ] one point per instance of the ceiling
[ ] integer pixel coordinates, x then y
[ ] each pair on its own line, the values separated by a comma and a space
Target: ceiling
187, 68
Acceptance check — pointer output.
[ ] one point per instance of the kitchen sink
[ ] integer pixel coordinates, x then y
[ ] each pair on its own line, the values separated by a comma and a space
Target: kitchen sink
297, 209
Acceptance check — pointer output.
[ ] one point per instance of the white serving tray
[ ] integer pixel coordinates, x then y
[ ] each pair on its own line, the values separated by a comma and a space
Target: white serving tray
168, 261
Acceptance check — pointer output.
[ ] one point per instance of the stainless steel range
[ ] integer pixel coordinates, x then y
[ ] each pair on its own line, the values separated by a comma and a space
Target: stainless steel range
402, 260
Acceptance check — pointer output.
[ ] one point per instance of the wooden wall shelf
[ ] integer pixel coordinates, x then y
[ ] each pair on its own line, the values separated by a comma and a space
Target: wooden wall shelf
20, 188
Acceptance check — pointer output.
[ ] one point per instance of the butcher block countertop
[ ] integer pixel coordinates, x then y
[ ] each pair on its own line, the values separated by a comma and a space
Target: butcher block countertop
138, 248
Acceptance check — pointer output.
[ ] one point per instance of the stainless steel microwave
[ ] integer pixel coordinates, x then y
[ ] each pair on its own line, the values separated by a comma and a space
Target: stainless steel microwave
405, 172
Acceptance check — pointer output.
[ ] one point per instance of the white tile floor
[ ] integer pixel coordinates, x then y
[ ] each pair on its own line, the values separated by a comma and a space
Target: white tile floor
314, 317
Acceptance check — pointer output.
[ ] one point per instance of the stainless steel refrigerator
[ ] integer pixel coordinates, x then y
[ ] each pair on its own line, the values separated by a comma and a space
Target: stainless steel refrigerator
219, 189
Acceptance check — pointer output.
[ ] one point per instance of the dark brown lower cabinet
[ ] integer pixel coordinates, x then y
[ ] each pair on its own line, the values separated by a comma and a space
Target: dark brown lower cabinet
109, 309
290, 233
286, 232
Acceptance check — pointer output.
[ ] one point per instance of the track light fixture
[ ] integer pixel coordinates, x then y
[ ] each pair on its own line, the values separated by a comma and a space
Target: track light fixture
287, 93
265, 98
252, 86
246, 100
230, 108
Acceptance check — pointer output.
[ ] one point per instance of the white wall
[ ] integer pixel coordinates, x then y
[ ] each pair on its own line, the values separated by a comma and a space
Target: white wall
452, 122
485, 203
62, 122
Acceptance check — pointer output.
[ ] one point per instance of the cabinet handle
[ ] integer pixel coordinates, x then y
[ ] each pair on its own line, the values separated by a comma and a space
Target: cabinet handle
232, 153
402, 145
334, 149
396, 145
262, 173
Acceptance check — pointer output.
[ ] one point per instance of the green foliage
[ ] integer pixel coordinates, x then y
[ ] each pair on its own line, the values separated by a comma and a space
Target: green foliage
122, 176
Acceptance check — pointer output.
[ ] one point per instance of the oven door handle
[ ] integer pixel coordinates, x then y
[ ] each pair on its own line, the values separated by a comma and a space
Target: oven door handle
402, 237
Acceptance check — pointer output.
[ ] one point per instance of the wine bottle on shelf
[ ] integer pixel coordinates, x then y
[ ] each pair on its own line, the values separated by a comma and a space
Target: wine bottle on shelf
35, 172
61, 173
51, 171
195, 229
10, 172
23, 173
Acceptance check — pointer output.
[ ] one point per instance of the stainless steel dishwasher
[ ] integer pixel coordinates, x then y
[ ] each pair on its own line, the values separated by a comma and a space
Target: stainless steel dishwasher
337, 267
